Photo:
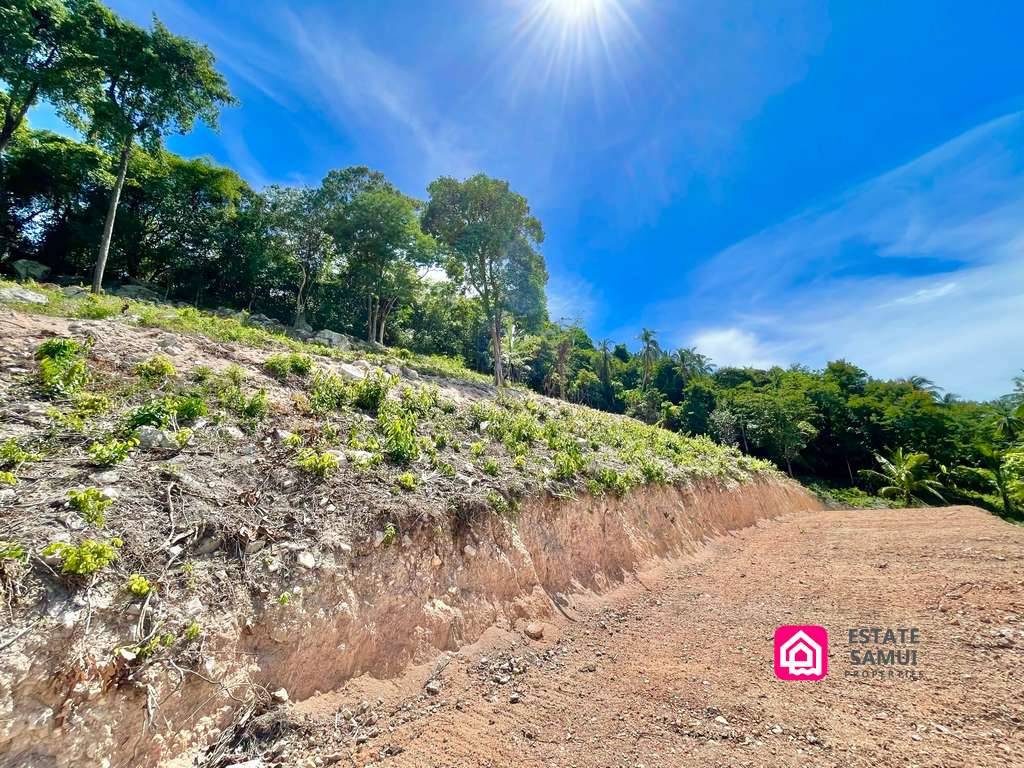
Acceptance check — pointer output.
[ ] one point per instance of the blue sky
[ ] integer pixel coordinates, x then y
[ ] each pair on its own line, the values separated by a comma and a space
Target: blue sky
774, 182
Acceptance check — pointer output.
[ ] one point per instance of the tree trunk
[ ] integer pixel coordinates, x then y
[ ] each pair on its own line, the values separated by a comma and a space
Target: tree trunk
849, 470
499, 374
789, 467
108, 226
300, 302
12, 120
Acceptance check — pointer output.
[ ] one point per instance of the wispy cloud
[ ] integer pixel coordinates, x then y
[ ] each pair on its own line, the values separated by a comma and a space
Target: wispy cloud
572, 299
918, 271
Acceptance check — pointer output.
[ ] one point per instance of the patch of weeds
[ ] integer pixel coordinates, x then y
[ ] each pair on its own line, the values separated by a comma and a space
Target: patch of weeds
399, 429
328, 392
490, 466
319, 464
281, 365
422, 401
98, 307
13, 455
156, 370
284, 598
62, 367
192, 632
8, 478
370, 392
164, 412
87, 558
390, 535
252, 409
12, 552
183, 437
138, 585
91, 504
498, 503
477, 449
107, 453
567, 464
293, 442
519, 462
407, 481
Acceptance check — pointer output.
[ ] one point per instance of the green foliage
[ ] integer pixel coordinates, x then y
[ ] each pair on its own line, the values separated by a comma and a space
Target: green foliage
399, 429
12, 552
166, 411
156, 369
8, 478
319, 464
371, 392
903, 476
13, 455
329, 392
62, 367
498, 503
252, 408
284, 599
390, 535
490, 466
107, 453
91, 504
85, 559
407, 481
192, 632
281, 365
138, 585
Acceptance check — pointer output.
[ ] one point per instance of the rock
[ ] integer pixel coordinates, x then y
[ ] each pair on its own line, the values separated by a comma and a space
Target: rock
332, 339
154, 439
280, 696
74, 291
534, 630
280, 435
411, 374
515, 698
306, 560
194, 607
435, 562
378, 538
350, 371
469, 551
21, 296
302, 325
229, 432
721, 720
136, 292
433, 687
26, 268
109, 477
393, 369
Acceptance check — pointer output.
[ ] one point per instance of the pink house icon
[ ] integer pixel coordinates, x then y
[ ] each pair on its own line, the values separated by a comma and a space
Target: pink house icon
801, 652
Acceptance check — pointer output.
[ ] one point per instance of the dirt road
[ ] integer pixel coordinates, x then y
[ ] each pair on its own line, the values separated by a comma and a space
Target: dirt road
675, 669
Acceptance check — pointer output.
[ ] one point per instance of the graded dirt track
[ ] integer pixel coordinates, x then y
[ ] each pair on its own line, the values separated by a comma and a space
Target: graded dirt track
675, 669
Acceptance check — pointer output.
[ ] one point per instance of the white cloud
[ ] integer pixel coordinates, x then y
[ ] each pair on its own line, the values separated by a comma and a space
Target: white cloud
918, 271
732, 346
571, 299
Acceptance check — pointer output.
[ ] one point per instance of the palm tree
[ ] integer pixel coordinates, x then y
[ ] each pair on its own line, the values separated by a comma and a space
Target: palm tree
649, 353
690, 364
992, 460
921, 384
904, 477
1008, 423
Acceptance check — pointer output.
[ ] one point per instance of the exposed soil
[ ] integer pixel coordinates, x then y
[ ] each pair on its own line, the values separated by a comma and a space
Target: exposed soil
675, 667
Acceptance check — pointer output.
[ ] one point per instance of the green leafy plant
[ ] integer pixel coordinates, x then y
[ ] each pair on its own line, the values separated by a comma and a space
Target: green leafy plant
399, 429
138, 585
318, 464
284, 598
370, 392
903, 476
192, 632
156, 369
390, 535
91, 504
11, 551
407, 481
328, 392
293, 442
8, 478
85, 559
498, 503
107, 453
490, 466
13, 455
281, 365
62, 367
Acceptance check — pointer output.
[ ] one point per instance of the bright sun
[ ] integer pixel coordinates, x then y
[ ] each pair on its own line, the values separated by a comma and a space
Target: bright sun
575, 11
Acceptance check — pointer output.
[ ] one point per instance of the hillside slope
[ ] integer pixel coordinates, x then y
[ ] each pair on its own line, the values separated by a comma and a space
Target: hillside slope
201, 514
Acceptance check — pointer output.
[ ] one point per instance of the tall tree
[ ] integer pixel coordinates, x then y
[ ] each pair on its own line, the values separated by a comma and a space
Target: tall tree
491, 238
690, 364
154, 83
650, 351
45, 53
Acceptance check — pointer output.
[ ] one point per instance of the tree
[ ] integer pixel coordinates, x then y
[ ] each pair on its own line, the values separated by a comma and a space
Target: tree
903, 477
153, 84
690, 363
649, 352
379, 233
45, 53
993, 460
299, 235
491, 238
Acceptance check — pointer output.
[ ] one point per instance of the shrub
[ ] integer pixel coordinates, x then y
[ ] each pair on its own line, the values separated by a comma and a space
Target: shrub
399, 428
13, 455
110, 452
407, 481
59, 348
328, 392
90, 404
98, 307
87, 558
319, 464
498, 503
279, 366
477, 449
490, 466
8, 478
567, 464
156, 369
371, 392
609, 480
9, 550
138, 585
253, 408
91, 504
192, 632
390, 534
62, 377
